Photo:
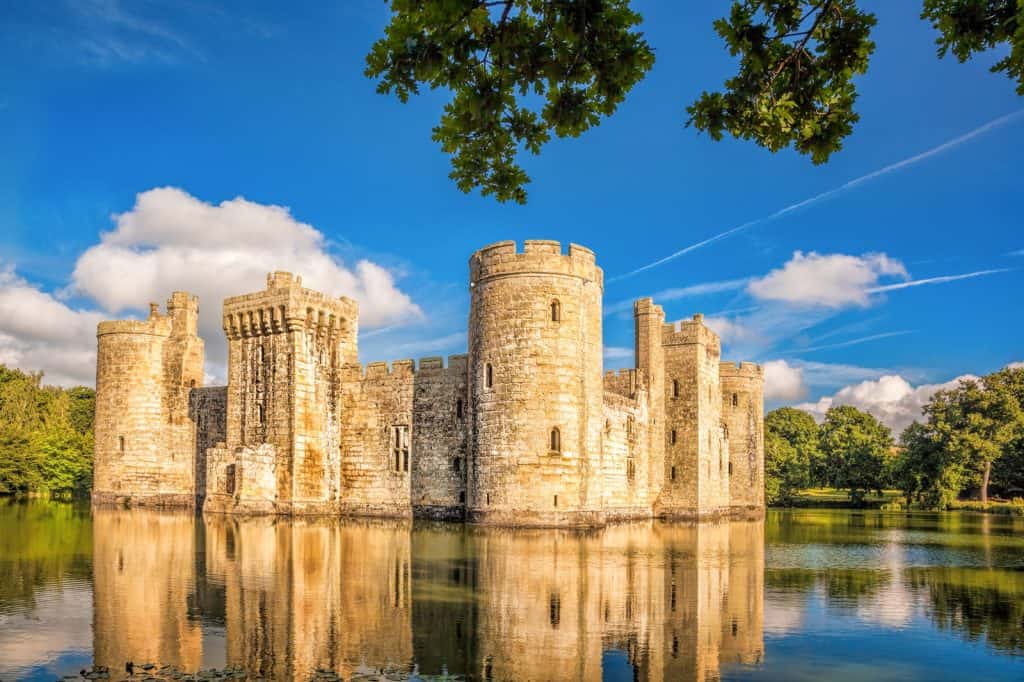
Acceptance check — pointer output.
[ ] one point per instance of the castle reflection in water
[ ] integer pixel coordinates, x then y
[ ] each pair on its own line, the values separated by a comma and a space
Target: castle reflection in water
282, 598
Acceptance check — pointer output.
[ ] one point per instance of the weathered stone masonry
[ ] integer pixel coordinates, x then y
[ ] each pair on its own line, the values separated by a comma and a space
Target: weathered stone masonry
525, 429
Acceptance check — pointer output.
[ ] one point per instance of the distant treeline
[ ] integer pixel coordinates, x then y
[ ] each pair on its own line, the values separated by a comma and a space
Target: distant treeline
970, 442
46, 436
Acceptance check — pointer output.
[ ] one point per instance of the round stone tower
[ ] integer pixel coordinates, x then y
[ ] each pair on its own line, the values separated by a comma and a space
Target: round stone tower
743, 416
145, 441
535, 385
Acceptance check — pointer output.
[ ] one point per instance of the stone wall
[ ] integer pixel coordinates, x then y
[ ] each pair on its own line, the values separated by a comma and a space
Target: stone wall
145, 437
697, 483
536, 390
743, 415
626, 462
440, 438
377, 456
208, 410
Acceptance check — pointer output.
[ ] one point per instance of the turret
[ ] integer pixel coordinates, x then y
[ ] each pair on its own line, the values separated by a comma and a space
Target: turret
286, 345
743, 416
696, 481
144, 437
535, 384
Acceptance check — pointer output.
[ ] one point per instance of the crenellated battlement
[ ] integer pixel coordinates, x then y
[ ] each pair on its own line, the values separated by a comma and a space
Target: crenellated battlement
160, 325
686, 332
538, 257
354, 371
285, 305
524, 429
740, 370
624, 382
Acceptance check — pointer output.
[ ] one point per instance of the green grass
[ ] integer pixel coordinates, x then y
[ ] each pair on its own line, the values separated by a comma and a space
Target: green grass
1014, 507
836, 498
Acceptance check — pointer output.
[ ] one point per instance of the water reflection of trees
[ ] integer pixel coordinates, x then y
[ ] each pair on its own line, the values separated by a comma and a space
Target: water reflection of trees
675, 602
978, 604
42, 545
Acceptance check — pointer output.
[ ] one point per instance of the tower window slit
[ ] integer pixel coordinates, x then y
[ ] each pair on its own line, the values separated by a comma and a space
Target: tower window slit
556, 440
120, 444
556, 311
489, 376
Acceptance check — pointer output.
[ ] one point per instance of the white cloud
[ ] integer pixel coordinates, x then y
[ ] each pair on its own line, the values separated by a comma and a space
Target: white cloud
172, 241
783, 381
826, 280
731, 330
617, 352
39, 332
1015, 365
890, 398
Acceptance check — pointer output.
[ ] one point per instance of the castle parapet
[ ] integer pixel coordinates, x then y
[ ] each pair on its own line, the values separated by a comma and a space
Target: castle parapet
285, 305
750, 370
693, 331
539, 256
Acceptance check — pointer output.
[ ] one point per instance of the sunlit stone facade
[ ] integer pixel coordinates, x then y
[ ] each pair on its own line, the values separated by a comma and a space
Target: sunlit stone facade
525, 429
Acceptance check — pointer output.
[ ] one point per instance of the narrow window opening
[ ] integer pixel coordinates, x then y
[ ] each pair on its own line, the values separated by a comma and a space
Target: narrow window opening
556, 440
673, 473
730, 468
672, 437
556, 501
489, 376
630, 469
457, 464
458, 408
735, 400
229, 479
192, 383
556, 311
555, 610
488, 499
400, 447
120, 444
675, 388
462, 497
261, 415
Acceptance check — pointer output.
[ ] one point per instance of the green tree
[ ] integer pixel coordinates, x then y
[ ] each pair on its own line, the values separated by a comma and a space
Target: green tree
575, 60
801, 431
930, 476
785, 470
978, 421
519, 70
858, 448
46, 435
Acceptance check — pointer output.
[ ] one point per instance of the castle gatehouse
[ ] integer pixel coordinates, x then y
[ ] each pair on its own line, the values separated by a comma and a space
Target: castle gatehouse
524, 429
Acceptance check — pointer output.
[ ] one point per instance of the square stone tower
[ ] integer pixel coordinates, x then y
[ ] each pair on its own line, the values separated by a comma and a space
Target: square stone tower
696, 453
286, 345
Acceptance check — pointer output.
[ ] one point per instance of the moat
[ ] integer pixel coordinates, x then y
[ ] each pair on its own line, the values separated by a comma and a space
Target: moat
800, 595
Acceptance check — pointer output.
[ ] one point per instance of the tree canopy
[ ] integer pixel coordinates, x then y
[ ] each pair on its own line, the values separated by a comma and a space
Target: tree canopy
520, 70
46, 435
858, 448
967, 432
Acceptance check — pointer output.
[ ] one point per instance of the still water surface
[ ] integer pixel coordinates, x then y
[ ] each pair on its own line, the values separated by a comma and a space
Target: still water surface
804, 595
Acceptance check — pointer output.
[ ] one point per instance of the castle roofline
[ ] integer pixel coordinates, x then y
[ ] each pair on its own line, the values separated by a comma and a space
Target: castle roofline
538, 257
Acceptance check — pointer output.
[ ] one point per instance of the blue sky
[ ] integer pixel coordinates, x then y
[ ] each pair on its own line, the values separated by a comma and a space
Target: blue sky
101, 103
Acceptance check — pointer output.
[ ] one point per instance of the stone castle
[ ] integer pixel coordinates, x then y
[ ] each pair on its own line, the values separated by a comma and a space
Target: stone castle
524, 429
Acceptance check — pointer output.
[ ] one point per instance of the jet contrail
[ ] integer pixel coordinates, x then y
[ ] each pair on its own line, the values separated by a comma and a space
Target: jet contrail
955, 142
934, 280
851, 342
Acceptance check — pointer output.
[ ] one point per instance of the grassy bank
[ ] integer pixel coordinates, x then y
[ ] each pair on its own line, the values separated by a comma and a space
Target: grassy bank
832, 498
893, 500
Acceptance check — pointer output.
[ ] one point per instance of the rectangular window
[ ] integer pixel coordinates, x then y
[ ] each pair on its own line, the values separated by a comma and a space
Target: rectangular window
400, 447
120, 444
673, 473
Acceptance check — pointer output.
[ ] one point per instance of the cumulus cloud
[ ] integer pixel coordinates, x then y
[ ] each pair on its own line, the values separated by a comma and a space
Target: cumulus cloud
827, 280
890, 398
783, 381
38, 331
171, 241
